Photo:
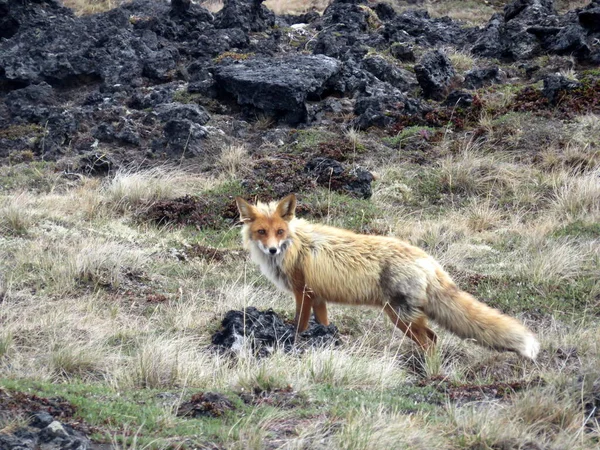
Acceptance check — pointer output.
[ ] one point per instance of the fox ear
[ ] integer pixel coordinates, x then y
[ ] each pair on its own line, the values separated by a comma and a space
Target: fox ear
247, 211
286, 208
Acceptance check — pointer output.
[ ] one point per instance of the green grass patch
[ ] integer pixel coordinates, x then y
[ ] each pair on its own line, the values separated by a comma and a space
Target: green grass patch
341, 210
15, 132
147, 415
38, 176
183, 96
579, 229
409, 398
150, 412
570, 298
428, 188
409, 133
310, 139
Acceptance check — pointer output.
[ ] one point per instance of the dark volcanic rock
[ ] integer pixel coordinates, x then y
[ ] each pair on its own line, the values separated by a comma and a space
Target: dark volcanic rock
348, 30
308, 17
350, 16
402, 52
150, 97
384, 11
266, 331
506, 35
44, 430
554, 85
182, 137
215, 42
458, 98
385, 71
53, 436
478, 78
63, 50
380, 104
529, 28
435, 74
590, 17
331, 173
248, 15
416, 26
32, 103
178, 111
278, 86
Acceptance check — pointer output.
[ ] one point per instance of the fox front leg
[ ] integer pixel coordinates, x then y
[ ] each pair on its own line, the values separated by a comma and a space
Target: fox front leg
304, 304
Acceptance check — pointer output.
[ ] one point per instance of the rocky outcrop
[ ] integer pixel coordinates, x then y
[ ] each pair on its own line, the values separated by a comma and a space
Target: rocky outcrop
379, 104
480, 77
387, 71
264, 331
555, 85
278, 86
132, 79
529, 28
44, 433
435, 74
417, 27
246, 15
332, 174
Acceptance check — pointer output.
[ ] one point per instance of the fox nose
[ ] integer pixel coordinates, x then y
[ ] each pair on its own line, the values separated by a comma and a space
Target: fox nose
272, 250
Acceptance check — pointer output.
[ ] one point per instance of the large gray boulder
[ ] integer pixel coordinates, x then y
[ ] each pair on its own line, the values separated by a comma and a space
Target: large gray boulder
278, 86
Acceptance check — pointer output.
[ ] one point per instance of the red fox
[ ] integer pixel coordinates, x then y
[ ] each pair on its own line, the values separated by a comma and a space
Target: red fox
321, 264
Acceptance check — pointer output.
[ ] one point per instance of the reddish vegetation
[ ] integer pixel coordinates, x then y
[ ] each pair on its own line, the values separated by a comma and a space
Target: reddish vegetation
276, 177
337, 149
581, 100
458, 118
205, 404
21, 403
202, 213
281, 398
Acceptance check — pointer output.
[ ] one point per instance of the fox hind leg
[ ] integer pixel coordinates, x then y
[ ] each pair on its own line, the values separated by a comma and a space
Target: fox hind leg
320, 310
416, 329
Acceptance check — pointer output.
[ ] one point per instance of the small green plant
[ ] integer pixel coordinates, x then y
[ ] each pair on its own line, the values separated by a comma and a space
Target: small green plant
183, 96
408, 134
15, 132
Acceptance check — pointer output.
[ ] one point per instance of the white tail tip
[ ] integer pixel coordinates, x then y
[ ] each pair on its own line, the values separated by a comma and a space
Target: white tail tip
531, 347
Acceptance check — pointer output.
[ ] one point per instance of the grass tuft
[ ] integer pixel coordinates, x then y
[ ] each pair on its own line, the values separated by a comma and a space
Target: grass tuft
131, 190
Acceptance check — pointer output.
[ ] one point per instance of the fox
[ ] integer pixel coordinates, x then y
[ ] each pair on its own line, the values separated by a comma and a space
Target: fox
321, 264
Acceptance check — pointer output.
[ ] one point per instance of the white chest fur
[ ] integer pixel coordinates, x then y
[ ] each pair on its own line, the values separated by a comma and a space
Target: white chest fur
271, 267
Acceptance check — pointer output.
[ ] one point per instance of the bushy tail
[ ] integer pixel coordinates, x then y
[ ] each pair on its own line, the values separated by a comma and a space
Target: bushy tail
460, 313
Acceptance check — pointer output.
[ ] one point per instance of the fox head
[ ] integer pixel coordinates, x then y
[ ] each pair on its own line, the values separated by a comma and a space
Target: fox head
268, 225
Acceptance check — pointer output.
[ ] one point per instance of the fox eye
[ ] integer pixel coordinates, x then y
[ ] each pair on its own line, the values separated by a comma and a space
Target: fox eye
280, 232
261, 231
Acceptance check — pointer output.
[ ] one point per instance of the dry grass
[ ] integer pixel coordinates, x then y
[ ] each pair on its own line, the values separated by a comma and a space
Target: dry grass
85, 7
75, 289
296, 6
578, 196
461, 60
130, 189
473, 12
14, 218
232, 158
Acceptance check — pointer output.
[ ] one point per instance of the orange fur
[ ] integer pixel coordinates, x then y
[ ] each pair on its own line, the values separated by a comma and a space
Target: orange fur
321, 264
